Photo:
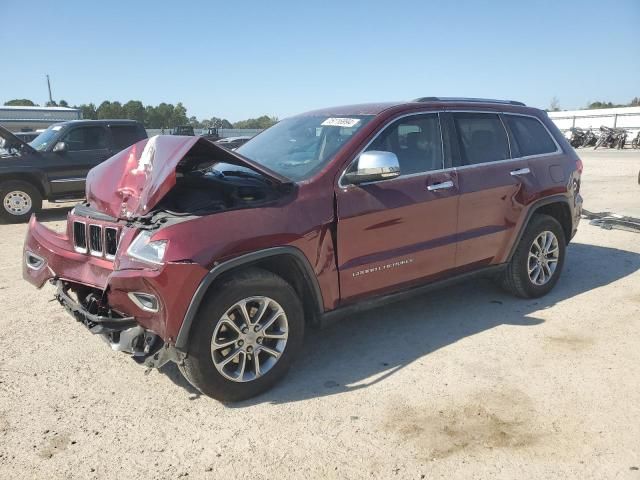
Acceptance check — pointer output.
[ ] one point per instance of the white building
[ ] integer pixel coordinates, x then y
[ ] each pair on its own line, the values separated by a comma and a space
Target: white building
623, 117
19, 119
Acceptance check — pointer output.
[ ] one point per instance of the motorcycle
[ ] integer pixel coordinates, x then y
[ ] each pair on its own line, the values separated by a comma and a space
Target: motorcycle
577, 137
635, 143
606, 138
590, 138
620, 138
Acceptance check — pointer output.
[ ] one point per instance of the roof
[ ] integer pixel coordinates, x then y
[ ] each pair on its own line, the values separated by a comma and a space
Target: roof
377, 108
122, 121
45, 109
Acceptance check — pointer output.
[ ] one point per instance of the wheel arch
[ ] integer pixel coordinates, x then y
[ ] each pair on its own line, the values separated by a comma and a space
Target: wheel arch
287, 262
557, 207
32, 178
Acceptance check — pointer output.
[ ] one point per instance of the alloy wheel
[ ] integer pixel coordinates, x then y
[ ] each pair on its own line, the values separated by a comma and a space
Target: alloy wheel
249, 339
542, 261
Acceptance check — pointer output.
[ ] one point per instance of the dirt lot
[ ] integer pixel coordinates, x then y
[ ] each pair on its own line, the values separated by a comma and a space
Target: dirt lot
462, 383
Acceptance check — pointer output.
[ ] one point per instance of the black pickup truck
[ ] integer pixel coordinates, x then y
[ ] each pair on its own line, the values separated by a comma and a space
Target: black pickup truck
54, 165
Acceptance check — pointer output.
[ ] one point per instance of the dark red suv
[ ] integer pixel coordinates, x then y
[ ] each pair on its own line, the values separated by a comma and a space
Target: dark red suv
218, 260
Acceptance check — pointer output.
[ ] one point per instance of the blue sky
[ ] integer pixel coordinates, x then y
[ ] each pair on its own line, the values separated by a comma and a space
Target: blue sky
248, 58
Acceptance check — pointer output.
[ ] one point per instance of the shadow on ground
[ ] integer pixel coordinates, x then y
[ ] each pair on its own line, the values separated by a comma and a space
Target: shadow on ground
380, 342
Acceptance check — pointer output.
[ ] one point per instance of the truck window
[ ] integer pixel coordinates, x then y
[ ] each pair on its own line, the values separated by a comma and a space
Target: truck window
125, 135
86, 138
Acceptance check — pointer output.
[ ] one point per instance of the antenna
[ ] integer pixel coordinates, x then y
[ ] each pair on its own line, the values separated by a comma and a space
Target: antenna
49, 86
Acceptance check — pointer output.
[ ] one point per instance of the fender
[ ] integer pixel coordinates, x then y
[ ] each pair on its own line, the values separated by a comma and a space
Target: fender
530, 212
245, 260
27, 173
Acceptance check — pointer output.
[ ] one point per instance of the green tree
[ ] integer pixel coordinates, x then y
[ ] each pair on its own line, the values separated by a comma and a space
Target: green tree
179, 115
89, 111
20, 102
63, 103
261, 122
134, 110
109, 110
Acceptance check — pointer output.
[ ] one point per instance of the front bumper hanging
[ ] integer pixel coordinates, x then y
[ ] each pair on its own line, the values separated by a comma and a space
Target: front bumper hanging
122, 333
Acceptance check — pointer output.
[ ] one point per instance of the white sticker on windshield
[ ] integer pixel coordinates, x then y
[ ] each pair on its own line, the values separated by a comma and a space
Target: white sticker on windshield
340, 122
55, 129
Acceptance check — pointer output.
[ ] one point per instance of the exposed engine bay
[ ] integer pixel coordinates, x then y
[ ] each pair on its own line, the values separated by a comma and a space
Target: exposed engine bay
214, 188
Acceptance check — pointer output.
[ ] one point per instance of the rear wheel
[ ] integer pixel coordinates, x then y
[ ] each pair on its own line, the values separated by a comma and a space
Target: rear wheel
537, 262
19, 200
246, 335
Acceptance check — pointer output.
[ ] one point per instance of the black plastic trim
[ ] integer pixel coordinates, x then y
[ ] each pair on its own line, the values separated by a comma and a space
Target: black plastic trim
330, 317
532, 210
241, 261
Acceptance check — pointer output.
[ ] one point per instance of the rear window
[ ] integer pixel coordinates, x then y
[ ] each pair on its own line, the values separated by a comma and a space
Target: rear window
124, 135
530, 136
482, 138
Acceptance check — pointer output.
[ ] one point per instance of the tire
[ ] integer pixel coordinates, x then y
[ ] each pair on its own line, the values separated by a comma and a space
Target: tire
19, 200
516, 278
199, 367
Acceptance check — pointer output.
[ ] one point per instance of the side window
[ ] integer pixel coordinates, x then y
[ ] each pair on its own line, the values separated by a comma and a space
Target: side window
124, 136
86, 138
482, 138
415, 140
530, 136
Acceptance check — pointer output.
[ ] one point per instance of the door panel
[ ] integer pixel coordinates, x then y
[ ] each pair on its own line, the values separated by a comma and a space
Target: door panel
491, 196
491, 201
86, 148
395, 232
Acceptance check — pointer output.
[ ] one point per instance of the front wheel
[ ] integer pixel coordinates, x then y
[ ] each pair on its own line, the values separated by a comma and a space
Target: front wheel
19, 200
246, 335
537, 262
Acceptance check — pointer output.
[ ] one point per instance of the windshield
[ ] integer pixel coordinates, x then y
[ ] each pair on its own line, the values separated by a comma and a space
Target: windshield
298, 147
43, 140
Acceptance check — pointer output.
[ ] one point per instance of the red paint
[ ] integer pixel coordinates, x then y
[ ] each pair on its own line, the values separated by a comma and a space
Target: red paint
397, 229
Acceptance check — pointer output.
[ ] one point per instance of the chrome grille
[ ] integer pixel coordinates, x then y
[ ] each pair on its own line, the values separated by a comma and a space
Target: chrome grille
99, 240
110, 242
80, 237
95, 240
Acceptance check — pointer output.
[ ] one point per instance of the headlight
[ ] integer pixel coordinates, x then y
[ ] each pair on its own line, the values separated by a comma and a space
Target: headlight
146, 250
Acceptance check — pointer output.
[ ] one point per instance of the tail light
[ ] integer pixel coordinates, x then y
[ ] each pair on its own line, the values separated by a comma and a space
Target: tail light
579, 165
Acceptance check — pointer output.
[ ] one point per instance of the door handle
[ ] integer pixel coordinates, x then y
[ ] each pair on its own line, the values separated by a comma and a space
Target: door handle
440, 186
520, 171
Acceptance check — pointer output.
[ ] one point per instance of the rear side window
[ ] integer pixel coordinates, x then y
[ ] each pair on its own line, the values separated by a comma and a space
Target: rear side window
86, 138
482, 138
530, 136
124, 135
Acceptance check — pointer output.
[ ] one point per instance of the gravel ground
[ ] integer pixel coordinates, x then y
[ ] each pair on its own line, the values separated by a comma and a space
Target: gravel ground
462, 383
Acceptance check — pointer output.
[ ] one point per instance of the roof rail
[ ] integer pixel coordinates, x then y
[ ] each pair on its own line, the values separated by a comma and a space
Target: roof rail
463, 99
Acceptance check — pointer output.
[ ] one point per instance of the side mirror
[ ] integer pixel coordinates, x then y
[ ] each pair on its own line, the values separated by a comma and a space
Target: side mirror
60, 147
374, 165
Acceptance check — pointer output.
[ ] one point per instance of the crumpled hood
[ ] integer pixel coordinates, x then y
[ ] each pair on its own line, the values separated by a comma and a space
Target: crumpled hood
133, 181
11, 141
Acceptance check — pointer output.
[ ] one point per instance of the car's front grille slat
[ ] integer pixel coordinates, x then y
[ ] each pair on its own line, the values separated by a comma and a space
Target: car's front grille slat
95, 239
80, 236
110, 242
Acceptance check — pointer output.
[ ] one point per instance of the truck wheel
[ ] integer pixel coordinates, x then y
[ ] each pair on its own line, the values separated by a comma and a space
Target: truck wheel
537, 262
19, 200
245, 336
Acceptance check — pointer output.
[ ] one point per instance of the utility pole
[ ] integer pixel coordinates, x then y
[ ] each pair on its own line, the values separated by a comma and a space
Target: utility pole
49, 86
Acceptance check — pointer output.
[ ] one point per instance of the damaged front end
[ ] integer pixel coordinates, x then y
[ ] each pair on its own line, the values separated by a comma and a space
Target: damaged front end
115, 268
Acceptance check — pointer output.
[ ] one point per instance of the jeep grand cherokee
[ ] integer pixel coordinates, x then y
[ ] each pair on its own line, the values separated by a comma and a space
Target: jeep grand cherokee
218, 260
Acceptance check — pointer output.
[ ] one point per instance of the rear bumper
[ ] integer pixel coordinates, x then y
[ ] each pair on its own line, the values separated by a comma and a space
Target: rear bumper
50, 255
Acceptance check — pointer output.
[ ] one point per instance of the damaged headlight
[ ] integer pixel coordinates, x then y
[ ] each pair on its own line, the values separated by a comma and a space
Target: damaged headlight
142, 248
